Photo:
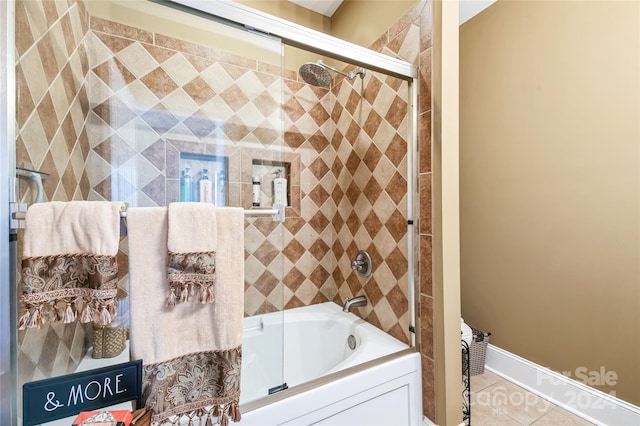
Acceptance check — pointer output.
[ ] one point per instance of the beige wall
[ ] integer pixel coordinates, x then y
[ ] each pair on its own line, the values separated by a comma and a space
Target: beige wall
360, 23
291, 12
446, 211
550, 183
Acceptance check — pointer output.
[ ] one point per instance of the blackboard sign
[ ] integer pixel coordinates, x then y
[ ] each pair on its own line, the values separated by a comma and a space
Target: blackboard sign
59, 397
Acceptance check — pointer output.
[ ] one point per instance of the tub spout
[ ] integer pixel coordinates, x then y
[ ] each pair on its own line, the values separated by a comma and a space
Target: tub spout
354, 302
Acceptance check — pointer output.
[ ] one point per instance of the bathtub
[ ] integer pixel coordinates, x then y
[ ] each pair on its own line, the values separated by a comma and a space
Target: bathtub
311, 385
316, 359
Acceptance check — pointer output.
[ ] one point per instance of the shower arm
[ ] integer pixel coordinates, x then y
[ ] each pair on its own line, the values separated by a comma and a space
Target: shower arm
350, 76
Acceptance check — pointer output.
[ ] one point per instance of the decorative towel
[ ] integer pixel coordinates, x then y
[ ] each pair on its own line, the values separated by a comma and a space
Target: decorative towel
192, 353
191, 246
69, 260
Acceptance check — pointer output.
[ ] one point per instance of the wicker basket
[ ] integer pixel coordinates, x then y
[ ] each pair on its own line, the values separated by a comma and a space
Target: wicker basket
478, 351
108, 342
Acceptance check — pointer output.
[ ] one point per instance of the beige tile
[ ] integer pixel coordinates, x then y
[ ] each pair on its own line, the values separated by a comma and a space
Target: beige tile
485, 413
560, 417
515, 402
482, 381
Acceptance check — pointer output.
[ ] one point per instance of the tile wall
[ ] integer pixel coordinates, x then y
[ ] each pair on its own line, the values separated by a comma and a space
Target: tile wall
51, 96
152, 97
410, 39
51, 110
346, 145
370, 170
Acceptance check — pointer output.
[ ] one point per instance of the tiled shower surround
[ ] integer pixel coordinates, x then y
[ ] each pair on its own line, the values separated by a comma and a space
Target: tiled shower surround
127, 101
51, 111
153, 97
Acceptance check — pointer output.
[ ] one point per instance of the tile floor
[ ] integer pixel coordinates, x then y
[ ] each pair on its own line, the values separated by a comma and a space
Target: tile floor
496, 401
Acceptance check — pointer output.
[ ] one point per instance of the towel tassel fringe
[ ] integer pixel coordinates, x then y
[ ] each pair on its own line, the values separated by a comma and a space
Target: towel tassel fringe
35, 319
104, 318
69, 313
171, 299
24, 320
224, 419
54, 313
184, 293
87, 314
234, 412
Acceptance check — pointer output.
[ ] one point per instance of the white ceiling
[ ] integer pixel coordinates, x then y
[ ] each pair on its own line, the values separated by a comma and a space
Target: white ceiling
324, 7
468, 8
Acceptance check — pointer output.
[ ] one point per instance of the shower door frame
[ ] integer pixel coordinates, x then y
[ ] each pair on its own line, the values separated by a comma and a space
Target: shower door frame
317, 42
291, 34
7, 177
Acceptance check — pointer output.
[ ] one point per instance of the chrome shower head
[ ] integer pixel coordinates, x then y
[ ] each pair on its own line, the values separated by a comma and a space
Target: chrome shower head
317, 73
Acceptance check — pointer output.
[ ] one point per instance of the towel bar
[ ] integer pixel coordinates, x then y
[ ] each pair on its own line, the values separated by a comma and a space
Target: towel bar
277, 212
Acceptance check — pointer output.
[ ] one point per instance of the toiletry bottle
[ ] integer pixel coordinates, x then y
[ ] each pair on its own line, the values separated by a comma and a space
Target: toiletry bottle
186, 185
256, 191
279, 189
205, 187
221, 189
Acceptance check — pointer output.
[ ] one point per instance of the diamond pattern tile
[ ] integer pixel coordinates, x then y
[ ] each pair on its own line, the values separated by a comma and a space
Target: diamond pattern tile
159, 82
202, 101
114, 74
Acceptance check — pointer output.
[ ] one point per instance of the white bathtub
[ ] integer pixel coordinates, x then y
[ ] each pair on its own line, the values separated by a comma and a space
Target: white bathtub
388, 393
313, 342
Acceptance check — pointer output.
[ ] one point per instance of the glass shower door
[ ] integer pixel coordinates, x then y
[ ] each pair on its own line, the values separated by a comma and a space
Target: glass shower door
116, 100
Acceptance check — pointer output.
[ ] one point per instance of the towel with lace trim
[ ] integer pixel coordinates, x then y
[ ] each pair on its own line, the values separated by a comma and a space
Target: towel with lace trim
192, 353
191, 260
69, 263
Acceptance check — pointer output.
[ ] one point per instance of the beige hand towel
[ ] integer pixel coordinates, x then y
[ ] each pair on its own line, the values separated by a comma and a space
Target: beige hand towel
191, 243
187, 345
69, 259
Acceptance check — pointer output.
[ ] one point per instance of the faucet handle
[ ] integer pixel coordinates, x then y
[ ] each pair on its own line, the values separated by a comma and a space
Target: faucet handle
362, 264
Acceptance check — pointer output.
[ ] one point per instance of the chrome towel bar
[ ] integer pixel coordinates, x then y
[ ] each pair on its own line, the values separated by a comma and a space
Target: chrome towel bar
277, 213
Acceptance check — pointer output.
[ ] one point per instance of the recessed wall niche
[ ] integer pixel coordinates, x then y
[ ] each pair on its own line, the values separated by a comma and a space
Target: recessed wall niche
195, 169
274, 178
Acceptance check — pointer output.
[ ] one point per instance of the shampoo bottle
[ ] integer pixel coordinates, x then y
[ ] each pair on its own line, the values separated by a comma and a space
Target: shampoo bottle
279, 189
256, 191
186, 185
205, 187
221, 189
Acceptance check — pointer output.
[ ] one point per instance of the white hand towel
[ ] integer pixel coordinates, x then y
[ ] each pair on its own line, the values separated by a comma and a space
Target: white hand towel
187, 344
191, 243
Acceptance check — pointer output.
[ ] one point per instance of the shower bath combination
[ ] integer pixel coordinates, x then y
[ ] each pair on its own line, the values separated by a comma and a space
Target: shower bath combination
317, 73
290, 110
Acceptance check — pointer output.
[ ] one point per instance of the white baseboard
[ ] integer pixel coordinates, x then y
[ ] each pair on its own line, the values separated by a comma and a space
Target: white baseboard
427, 422
584, 401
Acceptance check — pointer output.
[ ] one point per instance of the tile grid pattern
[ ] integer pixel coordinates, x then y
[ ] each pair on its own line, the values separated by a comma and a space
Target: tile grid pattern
315, 247
496, 401
410, 39
329, 175
51, 97
371, 115
51, 108
187, 99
